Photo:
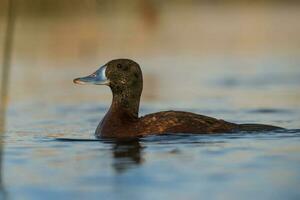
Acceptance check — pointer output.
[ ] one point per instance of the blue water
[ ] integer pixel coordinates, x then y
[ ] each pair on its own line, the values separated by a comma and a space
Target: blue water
223, 166
37, 165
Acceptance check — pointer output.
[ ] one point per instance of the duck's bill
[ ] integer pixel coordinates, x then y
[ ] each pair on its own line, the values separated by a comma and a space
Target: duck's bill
96, 78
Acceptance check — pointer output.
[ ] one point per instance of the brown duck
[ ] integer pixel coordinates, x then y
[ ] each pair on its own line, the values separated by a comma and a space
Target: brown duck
124, 77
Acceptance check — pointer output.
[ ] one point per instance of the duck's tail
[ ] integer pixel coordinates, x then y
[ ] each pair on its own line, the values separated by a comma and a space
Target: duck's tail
258, 127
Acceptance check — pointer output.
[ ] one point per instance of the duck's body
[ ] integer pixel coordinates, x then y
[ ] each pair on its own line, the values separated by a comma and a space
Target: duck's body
118, 124
125, 80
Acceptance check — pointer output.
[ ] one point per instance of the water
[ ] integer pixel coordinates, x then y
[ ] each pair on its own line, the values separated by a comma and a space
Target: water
36, 165
224, 166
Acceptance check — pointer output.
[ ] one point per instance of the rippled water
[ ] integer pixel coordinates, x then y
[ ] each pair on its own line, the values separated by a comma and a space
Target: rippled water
37, 165
40, 160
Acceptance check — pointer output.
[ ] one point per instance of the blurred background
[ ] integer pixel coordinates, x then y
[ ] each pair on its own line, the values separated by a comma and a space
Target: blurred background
247, 52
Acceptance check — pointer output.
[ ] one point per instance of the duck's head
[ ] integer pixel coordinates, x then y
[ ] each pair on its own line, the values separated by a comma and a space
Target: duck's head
123, 76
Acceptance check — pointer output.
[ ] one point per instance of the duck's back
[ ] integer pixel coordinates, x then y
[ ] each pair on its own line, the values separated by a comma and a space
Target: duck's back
183, 122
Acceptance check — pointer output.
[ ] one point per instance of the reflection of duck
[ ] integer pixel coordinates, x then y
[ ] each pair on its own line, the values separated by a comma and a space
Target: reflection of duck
124, 77
126, 154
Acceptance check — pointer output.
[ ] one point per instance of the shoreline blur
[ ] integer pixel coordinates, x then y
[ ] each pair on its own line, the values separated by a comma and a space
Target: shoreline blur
213, 49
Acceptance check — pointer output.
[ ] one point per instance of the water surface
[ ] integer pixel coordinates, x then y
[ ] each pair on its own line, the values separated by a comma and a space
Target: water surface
221, 166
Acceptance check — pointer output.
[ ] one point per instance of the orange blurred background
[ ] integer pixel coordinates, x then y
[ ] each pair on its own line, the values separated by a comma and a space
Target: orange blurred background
184, 48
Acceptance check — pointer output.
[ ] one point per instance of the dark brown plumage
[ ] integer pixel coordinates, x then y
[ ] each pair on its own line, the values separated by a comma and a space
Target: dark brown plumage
124, 77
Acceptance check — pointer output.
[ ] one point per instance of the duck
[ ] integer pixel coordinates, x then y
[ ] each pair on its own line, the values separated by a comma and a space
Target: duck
125, 79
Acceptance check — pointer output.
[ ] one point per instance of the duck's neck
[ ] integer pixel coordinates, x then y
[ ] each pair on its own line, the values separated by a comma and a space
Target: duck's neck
123, 111
125, 106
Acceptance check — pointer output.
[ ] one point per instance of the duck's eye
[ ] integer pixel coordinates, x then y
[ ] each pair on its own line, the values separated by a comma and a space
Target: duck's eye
123, 67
